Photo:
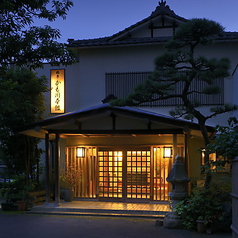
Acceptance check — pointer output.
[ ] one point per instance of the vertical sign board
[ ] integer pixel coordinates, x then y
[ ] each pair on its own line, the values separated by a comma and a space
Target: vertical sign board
57, 91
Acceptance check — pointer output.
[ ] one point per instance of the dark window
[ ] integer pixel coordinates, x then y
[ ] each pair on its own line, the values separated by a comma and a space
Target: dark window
121, 84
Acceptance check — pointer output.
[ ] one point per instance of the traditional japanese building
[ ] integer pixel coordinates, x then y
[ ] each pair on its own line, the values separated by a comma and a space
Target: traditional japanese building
123, 153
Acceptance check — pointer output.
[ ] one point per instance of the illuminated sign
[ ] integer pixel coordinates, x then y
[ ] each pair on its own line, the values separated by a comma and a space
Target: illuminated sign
57, 91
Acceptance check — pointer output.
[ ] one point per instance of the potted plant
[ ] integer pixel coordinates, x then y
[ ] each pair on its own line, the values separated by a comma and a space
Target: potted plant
9, 193
69, 178
16, 191
24, 201
201, 226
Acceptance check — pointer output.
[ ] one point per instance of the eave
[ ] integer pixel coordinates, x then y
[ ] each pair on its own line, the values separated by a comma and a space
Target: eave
107, 120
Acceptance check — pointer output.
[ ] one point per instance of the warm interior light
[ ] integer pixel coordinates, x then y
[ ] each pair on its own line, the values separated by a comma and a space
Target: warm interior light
203, 156
167, 152
118, 155
80, 152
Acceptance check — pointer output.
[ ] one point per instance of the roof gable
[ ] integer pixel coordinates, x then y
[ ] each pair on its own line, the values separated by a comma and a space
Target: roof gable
162, 22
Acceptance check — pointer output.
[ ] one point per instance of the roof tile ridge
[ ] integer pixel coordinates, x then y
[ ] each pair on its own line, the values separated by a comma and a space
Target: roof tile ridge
164, 9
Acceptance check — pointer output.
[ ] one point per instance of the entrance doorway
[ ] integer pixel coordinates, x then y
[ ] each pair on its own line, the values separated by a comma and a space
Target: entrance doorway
124, 174
110, 174
138, 174
133, 174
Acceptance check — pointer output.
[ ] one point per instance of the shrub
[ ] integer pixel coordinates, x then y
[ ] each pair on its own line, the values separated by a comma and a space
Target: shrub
203, 204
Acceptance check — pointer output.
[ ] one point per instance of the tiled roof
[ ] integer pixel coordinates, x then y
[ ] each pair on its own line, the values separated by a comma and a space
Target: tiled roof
161, 10
227, 36
116, 40
106, 41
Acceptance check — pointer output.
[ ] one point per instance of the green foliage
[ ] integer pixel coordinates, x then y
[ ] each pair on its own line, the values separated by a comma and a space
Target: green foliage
23, 44
223, 182
203, 204
180, 67
179, 64
16, 189
21, 92
25, 47
197, 31
226, 140
22, 103
212, 166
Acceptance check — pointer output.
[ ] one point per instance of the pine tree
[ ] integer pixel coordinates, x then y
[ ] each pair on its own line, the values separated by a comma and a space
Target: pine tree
180, 67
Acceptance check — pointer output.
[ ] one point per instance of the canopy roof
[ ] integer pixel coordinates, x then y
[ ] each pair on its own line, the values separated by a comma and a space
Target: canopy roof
104, 119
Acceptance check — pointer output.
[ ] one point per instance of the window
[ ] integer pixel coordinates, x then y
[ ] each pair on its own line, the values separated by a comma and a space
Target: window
121, 84
218, 163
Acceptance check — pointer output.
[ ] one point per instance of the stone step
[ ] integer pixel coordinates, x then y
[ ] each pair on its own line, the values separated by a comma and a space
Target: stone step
97, 212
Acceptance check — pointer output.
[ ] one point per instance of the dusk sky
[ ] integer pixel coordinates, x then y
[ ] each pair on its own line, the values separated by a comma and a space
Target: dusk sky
92, 18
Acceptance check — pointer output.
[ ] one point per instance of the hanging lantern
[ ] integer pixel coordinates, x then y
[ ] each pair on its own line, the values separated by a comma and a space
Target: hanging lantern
80, 152
167, 152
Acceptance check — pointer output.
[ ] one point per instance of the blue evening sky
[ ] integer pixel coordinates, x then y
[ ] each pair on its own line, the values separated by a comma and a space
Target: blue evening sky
99, 18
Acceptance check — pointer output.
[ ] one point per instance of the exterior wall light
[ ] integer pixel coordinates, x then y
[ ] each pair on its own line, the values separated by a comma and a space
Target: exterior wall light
80, 152
167, 152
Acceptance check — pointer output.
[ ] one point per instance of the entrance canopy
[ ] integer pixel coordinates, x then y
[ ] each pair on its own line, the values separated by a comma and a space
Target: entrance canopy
132, 167
105, 119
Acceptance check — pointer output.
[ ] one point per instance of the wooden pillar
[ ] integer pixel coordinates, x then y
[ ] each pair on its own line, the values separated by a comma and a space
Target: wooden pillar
152, 175
175, 146
124, 175
57, 185
186, 152
47, 168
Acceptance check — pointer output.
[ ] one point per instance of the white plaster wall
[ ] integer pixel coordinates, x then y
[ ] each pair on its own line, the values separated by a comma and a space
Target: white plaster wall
85, 80
94, 63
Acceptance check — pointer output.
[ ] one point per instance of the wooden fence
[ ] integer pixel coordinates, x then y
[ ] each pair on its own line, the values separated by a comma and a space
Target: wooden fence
234, 194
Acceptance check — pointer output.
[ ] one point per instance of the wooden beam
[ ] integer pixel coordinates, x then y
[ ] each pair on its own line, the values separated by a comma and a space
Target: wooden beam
99, 132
